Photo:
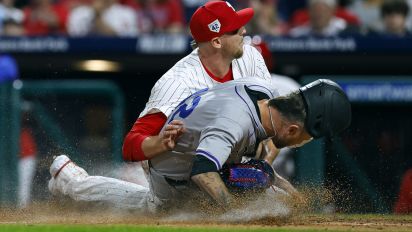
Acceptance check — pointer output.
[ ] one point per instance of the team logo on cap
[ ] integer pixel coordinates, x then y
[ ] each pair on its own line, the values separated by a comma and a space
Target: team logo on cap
214, 26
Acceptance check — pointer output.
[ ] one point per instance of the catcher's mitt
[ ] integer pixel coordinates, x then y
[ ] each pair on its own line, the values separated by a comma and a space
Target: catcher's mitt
254, 175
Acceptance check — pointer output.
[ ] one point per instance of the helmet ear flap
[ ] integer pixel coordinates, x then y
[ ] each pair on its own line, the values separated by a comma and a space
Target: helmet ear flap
318, 123
317, 126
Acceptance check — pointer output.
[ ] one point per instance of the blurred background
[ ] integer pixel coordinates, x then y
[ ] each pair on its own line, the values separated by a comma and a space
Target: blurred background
75, 74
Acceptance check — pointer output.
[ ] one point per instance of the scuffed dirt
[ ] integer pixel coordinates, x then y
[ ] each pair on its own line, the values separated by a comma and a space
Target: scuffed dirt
279, 213
69, 212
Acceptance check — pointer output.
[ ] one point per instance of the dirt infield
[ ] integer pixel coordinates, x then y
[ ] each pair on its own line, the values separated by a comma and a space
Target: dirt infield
50, 214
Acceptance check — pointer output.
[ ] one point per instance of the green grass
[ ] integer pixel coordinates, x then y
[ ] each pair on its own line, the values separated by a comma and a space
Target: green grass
306, 222
137, 228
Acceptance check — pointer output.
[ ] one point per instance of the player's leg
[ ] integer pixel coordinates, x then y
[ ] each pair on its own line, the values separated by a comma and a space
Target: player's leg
71, 180
133, 172
26, 170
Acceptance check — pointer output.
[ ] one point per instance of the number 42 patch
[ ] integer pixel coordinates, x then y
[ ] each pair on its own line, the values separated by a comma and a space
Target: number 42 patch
215, 26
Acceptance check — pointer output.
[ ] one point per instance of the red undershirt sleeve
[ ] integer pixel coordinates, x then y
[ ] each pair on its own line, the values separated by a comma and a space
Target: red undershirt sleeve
148, 125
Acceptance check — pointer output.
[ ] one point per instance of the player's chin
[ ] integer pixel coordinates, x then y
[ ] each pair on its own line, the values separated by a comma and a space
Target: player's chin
279, 143
239, 53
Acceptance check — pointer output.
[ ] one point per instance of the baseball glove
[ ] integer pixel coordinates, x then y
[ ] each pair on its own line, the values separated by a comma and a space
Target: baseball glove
254, 175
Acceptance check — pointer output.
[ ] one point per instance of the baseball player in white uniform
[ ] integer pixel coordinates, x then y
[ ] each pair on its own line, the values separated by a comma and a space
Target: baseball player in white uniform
222, 125
221, 56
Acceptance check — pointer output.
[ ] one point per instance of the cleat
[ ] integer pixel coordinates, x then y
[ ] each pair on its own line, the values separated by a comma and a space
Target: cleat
63, 171
59, 162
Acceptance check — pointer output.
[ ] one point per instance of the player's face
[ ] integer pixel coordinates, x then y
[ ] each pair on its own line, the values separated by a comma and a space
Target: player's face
233, 43
287, 134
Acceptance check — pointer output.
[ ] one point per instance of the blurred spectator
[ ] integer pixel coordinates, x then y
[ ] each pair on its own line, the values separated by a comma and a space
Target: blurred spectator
322, 21
27, 162
404, 203
43, 17
409, 19
265, 20
368, 13
190, 6
286, 8
301, 16
102, 18
394, 14
164, 16
343, 12
8, 68
28, 149
12, 28
11, 19
71, 4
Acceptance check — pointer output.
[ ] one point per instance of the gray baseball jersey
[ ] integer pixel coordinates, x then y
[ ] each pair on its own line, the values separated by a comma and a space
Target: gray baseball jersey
222, 125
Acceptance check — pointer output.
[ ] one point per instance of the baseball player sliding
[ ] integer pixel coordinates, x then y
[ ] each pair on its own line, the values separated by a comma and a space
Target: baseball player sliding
222, 125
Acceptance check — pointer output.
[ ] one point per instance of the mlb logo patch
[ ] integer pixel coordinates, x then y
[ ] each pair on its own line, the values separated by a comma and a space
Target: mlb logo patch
215, 26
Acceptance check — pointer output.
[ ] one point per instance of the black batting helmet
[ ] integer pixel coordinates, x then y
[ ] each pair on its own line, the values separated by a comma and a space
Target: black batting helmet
328, 111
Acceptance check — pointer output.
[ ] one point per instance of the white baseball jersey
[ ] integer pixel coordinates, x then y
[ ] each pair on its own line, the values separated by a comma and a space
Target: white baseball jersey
222, 125
189, 76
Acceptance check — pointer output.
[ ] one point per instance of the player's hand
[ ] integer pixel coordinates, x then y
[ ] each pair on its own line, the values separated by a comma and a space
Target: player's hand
171, 133
269, 151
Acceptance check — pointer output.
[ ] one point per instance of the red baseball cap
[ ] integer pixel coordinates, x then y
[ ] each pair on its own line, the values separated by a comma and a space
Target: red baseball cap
216, 18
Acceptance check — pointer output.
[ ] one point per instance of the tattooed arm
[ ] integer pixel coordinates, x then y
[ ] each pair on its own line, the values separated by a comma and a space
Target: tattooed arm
211, 183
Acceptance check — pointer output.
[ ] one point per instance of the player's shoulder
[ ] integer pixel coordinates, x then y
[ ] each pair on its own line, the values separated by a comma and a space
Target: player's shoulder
247, 80
250, 50
188, 66
250, 55
184, 67
254, 83
258, 84
236, 115
252, 80
191, 61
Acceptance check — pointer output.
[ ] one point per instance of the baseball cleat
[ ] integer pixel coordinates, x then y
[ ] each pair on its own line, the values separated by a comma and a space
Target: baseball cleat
58, 164
62, 171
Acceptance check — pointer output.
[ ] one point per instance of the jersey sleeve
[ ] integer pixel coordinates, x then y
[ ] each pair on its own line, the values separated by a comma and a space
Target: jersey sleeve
148, 125
166, 94
218, 140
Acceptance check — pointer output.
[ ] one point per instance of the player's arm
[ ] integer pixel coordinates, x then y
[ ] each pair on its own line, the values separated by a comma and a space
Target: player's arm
144, 142
212, 184
269, 154
205, 175
267, 151
217, 141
